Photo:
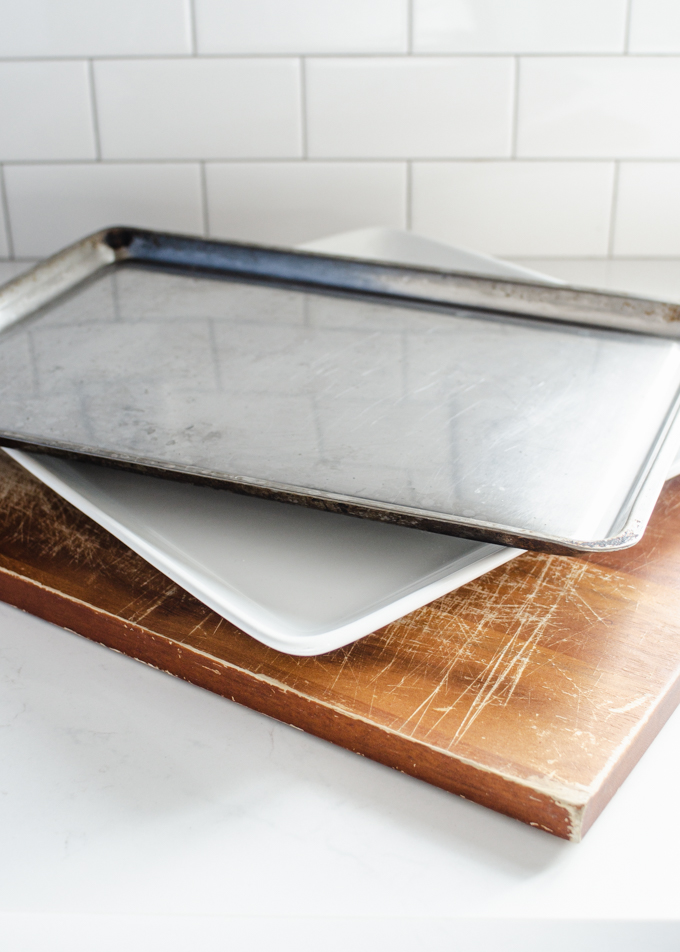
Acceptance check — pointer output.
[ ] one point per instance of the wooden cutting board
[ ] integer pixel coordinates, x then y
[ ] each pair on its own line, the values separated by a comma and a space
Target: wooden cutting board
533, 691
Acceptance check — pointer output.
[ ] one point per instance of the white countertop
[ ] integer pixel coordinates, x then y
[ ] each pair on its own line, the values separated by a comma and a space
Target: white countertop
139, 812
137, 805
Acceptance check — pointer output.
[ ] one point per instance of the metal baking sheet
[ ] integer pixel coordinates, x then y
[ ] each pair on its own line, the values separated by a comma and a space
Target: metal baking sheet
499, 410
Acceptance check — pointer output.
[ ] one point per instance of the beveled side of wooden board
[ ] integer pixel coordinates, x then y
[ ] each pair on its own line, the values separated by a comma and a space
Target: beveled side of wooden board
533, 690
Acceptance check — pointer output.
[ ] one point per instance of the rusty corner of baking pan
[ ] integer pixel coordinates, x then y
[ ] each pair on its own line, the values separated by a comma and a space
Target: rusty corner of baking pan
672, 312
118, 237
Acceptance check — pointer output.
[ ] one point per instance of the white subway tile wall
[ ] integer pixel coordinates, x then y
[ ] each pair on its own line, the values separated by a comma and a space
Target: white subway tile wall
599, 107
519, 26
655, 26
520, 127
95, 27
515, 208
302, 26
46, 110
195, 108
288, 201
410, 107
647, 217
51, 206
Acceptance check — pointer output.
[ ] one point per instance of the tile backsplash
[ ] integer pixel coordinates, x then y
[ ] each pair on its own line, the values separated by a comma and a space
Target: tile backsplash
545, 128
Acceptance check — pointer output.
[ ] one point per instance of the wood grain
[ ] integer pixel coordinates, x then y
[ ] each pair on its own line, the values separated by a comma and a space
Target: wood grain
533, 690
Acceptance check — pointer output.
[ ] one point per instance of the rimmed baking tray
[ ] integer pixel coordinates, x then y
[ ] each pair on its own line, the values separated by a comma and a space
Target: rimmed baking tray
499, 410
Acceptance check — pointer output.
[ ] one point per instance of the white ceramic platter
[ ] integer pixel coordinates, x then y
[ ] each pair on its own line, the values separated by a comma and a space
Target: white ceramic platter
299, 580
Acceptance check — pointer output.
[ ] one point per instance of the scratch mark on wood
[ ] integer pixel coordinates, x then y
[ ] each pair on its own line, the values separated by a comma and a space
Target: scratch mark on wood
630, 707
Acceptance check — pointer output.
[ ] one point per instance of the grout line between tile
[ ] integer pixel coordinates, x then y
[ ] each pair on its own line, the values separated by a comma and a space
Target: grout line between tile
205, 211
193, 40
5, 209
613, 212
409, 196
359, 54
515, 109
93, 110
626, 33
350, 160
409, 27
303, 108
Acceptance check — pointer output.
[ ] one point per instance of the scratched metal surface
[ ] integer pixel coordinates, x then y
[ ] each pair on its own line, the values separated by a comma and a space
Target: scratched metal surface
544, 671
497, 420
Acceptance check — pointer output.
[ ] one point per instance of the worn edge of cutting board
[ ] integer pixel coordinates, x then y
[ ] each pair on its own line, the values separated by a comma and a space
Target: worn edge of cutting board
261, 693
565, 812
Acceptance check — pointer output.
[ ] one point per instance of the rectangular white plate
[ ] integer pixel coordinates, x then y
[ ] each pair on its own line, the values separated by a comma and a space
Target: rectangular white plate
300, 580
